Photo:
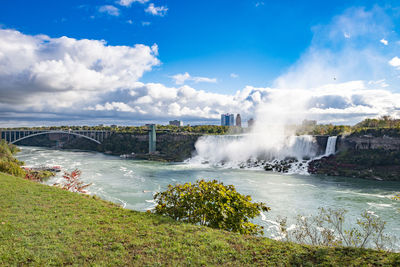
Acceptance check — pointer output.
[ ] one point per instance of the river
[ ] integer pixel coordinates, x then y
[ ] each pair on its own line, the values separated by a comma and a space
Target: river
133, 183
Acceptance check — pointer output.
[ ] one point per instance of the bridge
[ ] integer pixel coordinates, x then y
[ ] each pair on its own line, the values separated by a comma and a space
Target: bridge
13, 136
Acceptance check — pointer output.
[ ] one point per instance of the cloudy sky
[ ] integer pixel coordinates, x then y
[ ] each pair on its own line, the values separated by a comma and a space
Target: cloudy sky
132, 62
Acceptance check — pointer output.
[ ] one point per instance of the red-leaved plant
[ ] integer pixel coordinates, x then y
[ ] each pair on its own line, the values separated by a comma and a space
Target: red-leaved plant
32, 176
73, 182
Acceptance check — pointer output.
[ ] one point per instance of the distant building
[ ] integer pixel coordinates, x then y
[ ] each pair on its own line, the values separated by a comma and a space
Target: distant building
250, 122
227, 119
238, 120
114, 126
176, 123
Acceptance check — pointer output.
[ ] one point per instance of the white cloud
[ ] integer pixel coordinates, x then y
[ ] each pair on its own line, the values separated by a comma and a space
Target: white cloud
67, 78
234, 75
42, 73
117, 106
182, 78
156, 10
383, 41
146, 23
129, 21
110, 10
395, 62
346, 35
347, 102
331, 58
128, 3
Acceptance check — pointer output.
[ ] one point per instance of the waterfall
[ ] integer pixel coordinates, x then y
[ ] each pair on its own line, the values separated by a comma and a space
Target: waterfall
237, 151
331, 145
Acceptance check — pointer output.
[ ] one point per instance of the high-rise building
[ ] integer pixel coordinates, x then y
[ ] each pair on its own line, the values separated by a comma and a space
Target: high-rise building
238, 120
176, 123
227, 119
250, 122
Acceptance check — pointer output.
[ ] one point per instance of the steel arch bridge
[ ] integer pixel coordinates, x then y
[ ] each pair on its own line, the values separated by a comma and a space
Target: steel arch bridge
13, 136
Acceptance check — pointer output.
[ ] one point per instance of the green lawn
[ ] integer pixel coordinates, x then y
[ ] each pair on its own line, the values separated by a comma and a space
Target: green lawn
42, 225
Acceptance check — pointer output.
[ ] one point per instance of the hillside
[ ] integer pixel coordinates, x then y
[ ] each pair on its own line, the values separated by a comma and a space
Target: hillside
43, 225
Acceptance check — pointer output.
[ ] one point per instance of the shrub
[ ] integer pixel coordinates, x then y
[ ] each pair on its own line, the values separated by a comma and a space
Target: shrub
327, 228
8, 163
73, 182
12, 168
38, 176
210, 203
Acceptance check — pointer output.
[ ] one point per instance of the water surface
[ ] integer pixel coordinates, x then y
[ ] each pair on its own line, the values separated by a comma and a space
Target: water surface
133, 183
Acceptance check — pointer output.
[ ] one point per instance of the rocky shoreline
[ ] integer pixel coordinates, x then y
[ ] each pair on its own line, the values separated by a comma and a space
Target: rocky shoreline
367, 164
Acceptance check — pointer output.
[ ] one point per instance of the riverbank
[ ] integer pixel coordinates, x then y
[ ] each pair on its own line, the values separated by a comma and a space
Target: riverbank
370, 164
43, 225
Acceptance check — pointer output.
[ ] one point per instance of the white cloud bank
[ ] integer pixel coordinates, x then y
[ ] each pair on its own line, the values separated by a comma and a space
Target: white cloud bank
65, 78
43, 73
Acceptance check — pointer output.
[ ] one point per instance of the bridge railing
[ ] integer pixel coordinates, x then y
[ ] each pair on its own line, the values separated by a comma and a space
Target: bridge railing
12, 136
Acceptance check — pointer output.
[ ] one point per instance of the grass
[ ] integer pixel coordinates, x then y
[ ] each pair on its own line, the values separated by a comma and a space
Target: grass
42, 225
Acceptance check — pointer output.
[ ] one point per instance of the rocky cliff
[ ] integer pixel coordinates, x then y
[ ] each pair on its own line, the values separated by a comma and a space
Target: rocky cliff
365, 156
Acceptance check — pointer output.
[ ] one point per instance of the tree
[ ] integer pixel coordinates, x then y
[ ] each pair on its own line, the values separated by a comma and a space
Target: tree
212, 204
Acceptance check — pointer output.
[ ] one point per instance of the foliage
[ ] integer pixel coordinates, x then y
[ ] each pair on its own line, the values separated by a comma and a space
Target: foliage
383, 122
327, 228
33, 176
8, 163
210, 203
38, 176
73, 182
324, 129
12, 168
375, 127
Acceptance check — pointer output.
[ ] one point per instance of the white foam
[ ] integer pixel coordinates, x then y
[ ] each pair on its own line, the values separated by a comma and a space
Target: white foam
381, 205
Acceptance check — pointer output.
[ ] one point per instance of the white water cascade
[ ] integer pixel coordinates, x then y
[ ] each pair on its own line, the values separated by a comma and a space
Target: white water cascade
330, 146
290, 154
248, 151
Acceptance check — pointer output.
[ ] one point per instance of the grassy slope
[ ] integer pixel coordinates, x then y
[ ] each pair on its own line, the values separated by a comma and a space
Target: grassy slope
44, 225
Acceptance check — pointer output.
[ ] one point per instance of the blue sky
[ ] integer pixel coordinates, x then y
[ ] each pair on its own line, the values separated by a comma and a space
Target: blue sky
223, 46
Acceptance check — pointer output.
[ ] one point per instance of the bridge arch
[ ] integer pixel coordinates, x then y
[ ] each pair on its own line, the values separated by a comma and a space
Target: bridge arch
62, 132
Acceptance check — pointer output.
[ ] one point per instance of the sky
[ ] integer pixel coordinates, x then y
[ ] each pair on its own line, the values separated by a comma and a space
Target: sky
132, 62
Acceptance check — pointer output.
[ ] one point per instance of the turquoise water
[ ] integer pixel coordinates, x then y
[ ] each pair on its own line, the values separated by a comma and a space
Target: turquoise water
133, 183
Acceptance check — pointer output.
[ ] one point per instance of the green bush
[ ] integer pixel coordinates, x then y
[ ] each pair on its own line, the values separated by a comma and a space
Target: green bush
210, 203
8, 163
12, 168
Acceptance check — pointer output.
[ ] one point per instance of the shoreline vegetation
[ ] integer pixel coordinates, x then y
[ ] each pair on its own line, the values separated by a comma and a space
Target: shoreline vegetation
9, 164
44, 225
